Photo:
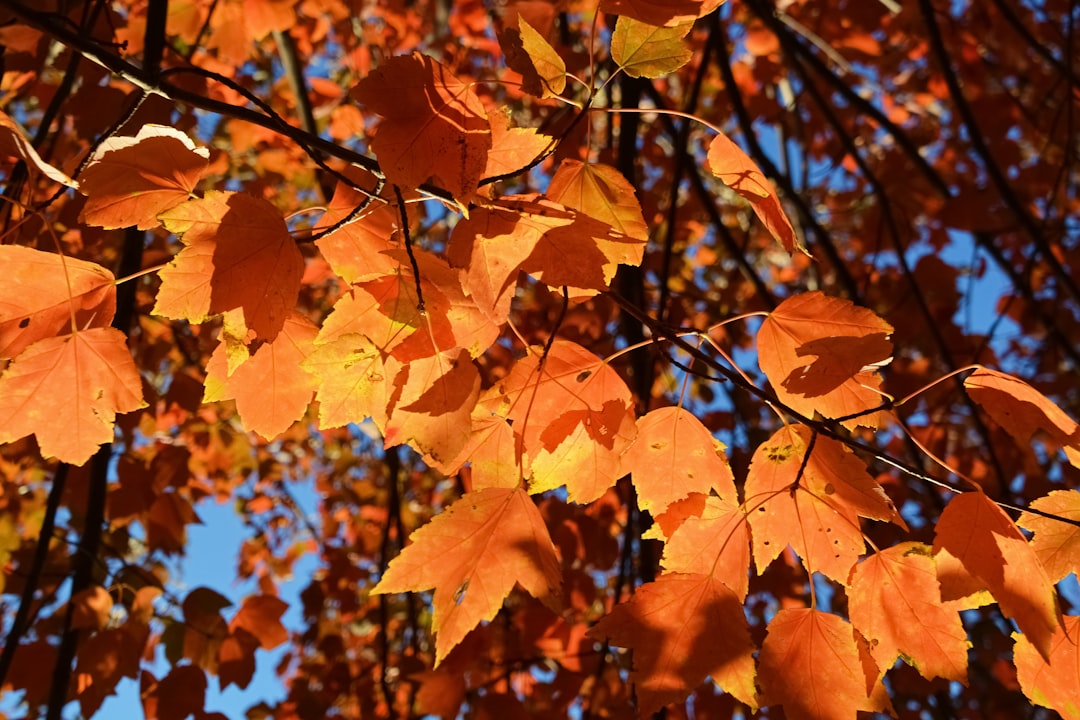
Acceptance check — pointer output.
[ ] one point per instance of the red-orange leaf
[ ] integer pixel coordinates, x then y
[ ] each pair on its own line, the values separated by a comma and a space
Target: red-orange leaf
472, 554
85, 378
355, 250
434, 128
512, 148
683, 628
238, 254
809, 663
271, 388
978, 547
1023, 411
736, 170
41, 292
895, 602
822, 354
601, 192
717, 543
1052, 682
260, 615
674, 455
131, 180
661, 12
818, 516
1056, 543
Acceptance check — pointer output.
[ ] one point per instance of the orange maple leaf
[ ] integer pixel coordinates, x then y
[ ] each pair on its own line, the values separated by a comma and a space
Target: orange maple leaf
352, 379
131, 180
435, 127
472, 554
682, 628
601, 192
260, 615
1052, 680
1056, 543
850, 345
356, 250
977, 547
67, 391
716, 542
512, 148
895, 602
46, 294
238, 254
661, 12
817, 512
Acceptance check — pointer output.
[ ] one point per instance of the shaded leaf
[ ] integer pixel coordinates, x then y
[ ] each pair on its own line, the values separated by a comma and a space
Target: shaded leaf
472, 554
260, 615
549, 68
513, 148
683, 628
355, 250
644, 50
895, 602
85, 378
131, 180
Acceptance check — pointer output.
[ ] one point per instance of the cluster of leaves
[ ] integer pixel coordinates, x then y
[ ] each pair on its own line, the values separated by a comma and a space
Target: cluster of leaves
557, 307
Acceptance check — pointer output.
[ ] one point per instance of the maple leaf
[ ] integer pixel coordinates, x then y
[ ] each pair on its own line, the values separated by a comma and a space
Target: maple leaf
978, 547
682, 628
260, 615
1023, 411
46, 294
434, 128
849, 343
574, 416
14, 144
472, 554
810, 664
351, 376
601, 192
661, 12
542, 69
1057, 544
1051, 679
736, 170
238, 254
355, 250
716, 542
271, 389
129, 181
512, 148
817, 512
673, 455
644, 50
86, 378
895, 602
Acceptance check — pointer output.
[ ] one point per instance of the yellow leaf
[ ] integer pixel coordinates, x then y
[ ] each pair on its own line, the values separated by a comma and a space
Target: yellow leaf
643, 50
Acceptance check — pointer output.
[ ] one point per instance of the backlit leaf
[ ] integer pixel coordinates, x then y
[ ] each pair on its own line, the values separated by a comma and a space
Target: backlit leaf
1052, 681
673, 456
434, 128
715, 543
260, 615
683, 628
352, 379
895, 602
41, 292
601, 192
993, 554
238, 254
356, 251
472, 554
549, 66
84, 378
660, 12
131, 180
736, 170
1057, 544
13, 143
644, 50
513, 148
809, 663
821, 354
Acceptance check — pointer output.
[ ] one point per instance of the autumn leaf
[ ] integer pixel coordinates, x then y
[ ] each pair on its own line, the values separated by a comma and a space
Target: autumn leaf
822, 354
434, 127
47, 294
1056, 543
643, 50
67, 391
271, 389
491, 451
260, 615
682, 628
1023, 411
238, 254
809, 663
472, 554
736, 170
978, 547
355, 250
817, 510
660, 12
895, 602
549, 70
601, 192
1052, 681
673, 455
513, 148
14, 144
129, 181
352, 382
716, 543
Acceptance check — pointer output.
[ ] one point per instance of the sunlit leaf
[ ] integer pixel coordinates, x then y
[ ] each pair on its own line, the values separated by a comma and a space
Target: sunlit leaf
644, 50
1056, 543
601, 192
1052, 681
